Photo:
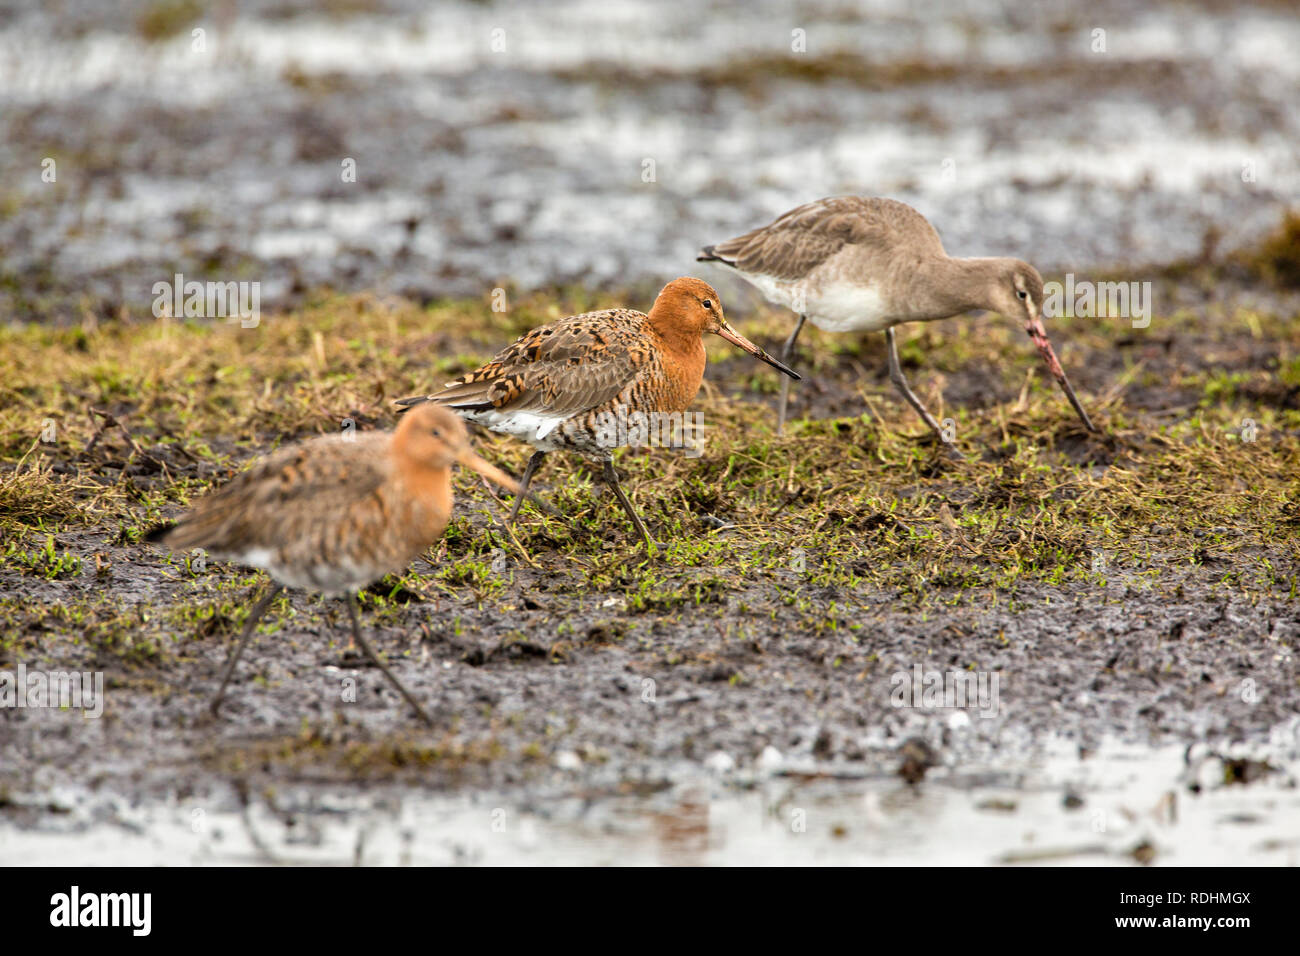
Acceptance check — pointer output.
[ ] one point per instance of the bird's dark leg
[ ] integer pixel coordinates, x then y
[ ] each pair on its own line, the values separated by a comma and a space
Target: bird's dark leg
374, 658
254, 616
533, 462
611, 479
896, 376
786, 352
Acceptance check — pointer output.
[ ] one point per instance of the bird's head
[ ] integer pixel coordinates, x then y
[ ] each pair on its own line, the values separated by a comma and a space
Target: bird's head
690, 306
435, 438
1015, 289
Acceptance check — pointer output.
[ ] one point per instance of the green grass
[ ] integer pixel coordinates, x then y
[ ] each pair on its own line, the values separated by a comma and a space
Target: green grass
46, 562
837, 508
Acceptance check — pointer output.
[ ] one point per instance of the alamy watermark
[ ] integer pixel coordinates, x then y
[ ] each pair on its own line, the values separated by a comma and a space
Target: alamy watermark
209, 300
74, 690
936, 690
624, 429
130, 910
1088, 300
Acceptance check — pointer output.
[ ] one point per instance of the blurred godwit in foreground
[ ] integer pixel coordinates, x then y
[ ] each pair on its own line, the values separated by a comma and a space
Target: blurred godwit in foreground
334, 514
574, 383
854, 264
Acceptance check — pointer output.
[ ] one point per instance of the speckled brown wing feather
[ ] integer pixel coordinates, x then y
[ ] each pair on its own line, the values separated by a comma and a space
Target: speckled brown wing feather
798, 242
284, 495
565, 368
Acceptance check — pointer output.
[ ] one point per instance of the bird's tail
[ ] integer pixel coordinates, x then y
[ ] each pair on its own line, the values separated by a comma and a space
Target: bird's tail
709, 254
460, 396
158, 533
406, 403
192, 531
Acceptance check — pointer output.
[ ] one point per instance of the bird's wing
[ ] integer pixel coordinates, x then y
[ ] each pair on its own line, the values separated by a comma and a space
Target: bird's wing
565, 368
798, 242
282, 494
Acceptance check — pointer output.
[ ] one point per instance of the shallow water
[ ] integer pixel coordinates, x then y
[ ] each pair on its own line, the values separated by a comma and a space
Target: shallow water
524, 166
1112, 807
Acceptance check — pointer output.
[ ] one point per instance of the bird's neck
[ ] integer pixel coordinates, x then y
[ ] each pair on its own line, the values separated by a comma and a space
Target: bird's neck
949, 286
419, 480
431, 487
683, 357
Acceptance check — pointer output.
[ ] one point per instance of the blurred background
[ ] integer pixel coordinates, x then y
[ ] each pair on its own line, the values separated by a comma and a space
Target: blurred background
600, 142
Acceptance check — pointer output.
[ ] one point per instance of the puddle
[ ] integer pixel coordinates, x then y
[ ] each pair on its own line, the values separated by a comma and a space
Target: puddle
1120, 805
464, 153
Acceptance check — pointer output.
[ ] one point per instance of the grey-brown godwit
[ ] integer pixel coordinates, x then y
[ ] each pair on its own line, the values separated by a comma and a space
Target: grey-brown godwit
334, 514
855, 264
574, 383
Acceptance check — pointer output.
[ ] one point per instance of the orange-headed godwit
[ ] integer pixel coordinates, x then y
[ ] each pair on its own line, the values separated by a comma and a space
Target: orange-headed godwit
854, 264
334, 514
571, 384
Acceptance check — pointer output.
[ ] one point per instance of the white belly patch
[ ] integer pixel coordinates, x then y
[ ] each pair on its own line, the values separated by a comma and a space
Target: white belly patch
537, 430
832, 306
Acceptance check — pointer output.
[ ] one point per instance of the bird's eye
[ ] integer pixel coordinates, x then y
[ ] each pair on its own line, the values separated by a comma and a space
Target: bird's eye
1021, 293
708, 303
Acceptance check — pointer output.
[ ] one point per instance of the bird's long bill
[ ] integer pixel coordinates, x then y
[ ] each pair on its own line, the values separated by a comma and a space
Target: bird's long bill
1039, 334
491, 472
735, 338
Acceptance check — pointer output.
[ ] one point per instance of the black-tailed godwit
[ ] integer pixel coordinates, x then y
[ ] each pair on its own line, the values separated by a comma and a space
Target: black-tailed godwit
571, 384
334, 514
855, 264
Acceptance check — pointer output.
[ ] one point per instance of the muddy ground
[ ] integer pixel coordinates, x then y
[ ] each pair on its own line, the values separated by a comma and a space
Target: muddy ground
1133, 589
733, 699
